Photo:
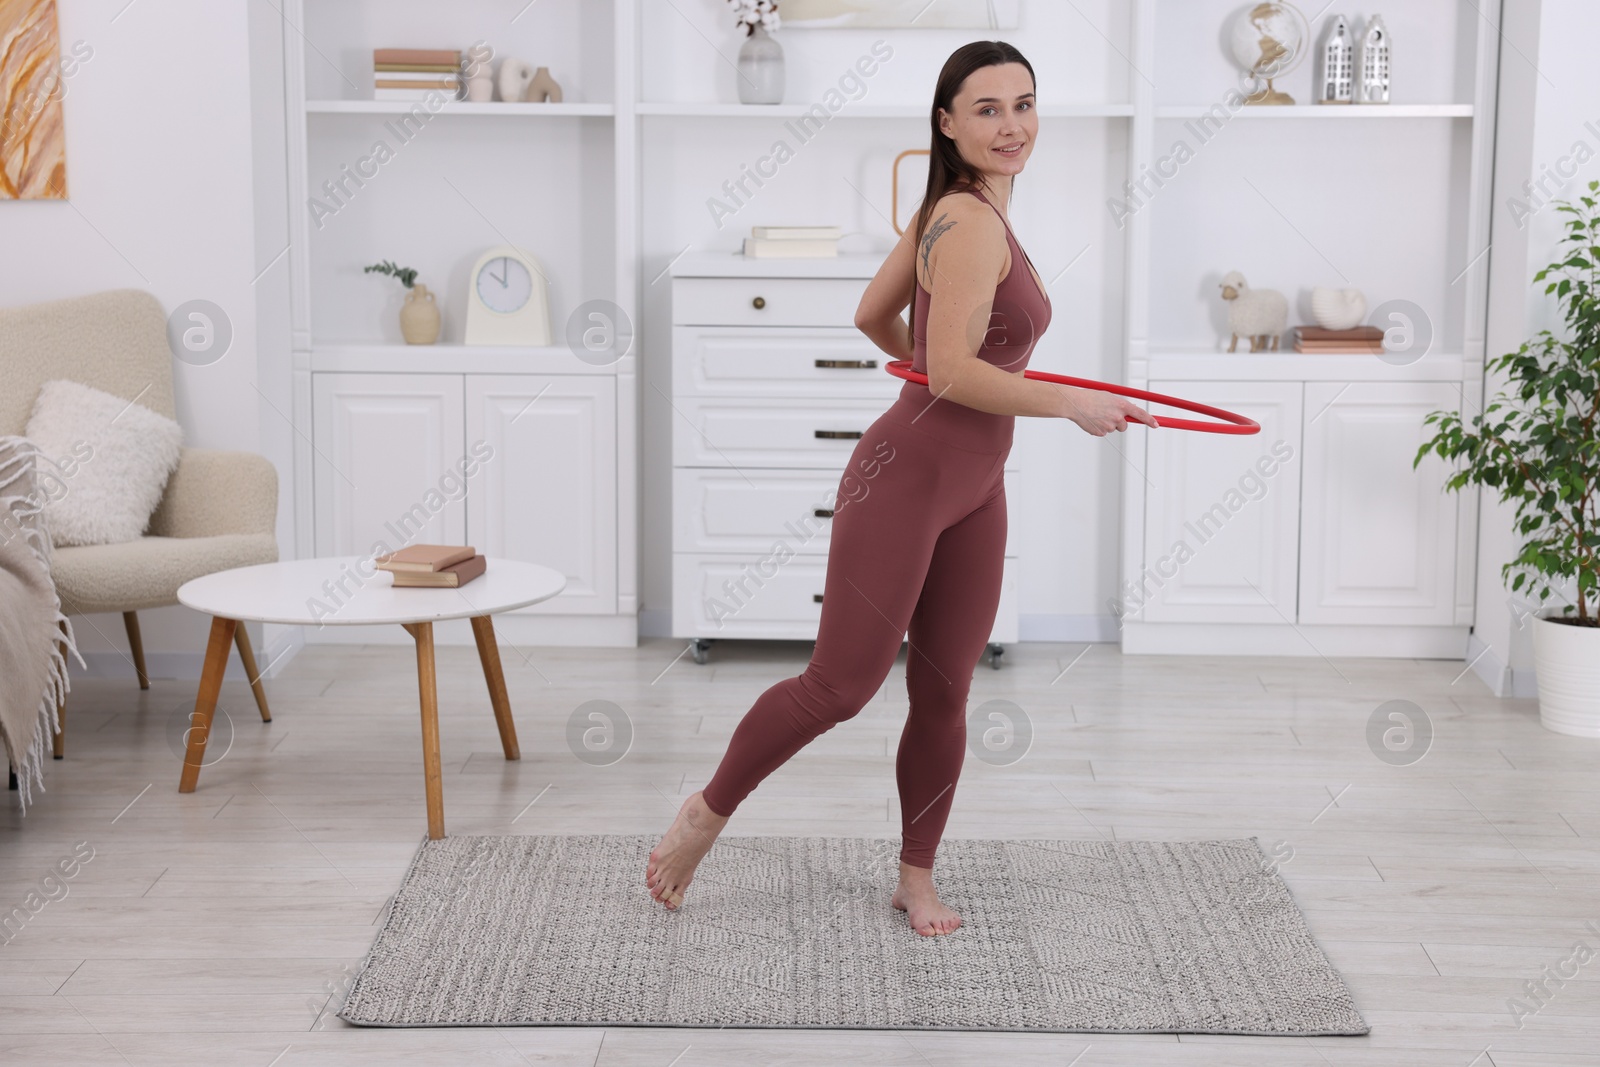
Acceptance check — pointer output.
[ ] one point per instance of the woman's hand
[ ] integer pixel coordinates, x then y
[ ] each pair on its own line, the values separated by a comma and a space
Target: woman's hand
1100, 413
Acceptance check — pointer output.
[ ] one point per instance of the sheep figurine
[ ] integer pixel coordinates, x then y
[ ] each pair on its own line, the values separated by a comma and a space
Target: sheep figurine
1258, 314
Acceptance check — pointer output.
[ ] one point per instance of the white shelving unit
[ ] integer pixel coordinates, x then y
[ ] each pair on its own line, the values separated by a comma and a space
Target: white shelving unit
610, 187
379, 422
1351, 553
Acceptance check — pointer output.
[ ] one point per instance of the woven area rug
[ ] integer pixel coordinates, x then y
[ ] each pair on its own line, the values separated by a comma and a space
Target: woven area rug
1058, 935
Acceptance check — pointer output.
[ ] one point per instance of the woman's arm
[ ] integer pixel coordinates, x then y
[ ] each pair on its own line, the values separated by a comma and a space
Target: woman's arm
887, 295
960, 261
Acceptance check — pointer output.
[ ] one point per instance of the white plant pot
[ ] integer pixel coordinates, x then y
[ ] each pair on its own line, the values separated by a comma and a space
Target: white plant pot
1566, 660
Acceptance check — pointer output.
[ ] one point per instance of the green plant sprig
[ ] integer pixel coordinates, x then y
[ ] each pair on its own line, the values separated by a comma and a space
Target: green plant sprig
1539, 446
406, 275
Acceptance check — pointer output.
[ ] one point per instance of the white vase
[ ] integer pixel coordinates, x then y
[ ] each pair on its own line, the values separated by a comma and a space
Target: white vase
1566, 660
760, 68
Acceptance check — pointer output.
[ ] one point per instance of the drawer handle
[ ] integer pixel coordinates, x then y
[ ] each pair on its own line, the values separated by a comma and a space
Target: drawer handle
846, 435
759, 302
823, 513
848, 364
816, 598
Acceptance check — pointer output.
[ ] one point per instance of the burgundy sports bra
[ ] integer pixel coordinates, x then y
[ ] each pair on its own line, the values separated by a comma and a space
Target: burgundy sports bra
1020, 314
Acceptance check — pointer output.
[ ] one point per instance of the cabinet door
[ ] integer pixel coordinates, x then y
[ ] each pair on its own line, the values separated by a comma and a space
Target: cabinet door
386, 447
1221, 511
1378, 539
548, 493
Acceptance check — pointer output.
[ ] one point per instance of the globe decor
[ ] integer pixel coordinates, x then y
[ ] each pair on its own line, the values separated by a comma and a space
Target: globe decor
1537, 444
1269, 40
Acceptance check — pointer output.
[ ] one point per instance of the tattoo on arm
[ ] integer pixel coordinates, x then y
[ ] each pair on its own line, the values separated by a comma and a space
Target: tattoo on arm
935, 231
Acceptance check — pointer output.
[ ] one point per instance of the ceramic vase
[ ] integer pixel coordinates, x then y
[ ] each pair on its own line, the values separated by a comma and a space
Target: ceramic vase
760, 69
419, 317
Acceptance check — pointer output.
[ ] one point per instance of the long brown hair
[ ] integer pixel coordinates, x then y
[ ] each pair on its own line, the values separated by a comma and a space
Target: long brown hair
947, 170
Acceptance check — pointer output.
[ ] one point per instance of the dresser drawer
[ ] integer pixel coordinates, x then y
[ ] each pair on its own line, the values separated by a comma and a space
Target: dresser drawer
730, 511
781, 361
755, 595
728, 432
766, 301
751, 511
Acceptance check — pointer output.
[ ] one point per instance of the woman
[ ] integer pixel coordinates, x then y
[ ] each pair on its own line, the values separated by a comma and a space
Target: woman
920, 552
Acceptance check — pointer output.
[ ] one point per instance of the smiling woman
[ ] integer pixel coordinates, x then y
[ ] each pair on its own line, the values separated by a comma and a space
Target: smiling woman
923, 555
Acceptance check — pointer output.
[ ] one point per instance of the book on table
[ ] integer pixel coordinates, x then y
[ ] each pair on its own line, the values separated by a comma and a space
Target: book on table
423, 559
451, 577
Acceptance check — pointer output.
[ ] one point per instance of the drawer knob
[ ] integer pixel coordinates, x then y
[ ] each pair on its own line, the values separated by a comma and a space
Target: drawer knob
759, 302
822, 513
844, 435
816, 598
847, 364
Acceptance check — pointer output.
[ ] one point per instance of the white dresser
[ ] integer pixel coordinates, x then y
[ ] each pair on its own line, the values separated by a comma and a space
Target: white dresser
772, 387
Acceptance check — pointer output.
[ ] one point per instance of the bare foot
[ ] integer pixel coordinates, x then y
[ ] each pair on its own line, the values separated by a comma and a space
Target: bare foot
916, 897
682, 847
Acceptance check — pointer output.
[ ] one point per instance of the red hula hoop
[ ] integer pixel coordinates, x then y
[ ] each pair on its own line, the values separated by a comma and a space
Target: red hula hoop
1231, 422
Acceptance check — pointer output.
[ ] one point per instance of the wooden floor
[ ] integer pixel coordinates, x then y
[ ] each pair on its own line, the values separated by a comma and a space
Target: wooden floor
215, 928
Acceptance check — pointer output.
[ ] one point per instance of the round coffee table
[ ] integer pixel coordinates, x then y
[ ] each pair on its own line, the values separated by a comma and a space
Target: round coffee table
350, 591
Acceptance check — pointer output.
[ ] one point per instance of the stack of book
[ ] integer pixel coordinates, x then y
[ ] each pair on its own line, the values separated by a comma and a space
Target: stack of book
413, 73
1363, 340
434, 566
792, 242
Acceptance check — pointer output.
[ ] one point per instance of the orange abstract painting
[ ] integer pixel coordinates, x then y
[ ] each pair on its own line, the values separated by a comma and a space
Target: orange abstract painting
33, 152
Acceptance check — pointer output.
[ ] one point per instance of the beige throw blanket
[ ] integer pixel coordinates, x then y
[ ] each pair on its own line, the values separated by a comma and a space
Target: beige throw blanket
33, 670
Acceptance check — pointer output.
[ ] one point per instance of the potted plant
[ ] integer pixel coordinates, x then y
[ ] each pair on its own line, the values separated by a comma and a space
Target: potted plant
419, 316
1537, 444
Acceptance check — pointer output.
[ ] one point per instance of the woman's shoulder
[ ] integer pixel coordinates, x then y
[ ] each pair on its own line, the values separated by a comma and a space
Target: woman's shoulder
963, 211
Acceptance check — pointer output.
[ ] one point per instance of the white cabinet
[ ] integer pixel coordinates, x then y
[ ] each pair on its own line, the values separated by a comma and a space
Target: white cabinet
1377, 538
383, 443
772, 388
549, 492
520, 466
1315, 536
1220, 538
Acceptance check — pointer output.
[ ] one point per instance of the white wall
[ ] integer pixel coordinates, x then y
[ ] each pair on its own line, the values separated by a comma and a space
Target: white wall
159, 170
1549, 103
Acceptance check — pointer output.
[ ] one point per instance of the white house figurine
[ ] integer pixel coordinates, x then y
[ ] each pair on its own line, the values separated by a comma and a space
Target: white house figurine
1372, 63
1335, 62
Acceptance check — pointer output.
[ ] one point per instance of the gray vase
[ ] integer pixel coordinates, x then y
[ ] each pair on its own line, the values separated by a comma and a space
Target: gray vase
760, 69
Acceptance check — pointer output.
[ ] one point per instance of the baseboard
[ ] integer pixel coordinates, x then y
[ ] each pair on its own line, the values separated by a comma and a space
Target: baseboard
1097, 629
272, 656
557, 631
1276, 639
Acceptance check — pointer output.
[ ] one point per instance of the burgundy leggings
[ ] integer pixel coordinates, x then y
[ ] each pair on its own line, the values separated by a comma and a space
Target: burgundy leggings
918, 543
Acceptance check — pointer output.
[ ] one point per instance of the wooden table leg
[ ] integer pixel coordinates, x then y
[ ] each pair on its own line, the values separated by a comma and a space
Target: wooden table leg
427, 689
489, 654
205, 701
247, 656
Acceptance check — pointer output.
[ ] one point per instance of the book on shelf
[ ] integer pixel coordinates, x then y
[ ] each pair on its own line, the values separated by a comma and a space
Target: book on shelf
446, 83
763, 248
421, 559
416, 68
1365, 348
409, 57
413, 96
452, 577
796, 233
1318, 333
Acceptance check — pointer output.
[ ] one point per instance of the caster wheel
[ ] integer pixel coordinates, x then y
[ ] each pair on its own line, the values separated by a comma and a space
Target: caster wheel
995, 652
702, 647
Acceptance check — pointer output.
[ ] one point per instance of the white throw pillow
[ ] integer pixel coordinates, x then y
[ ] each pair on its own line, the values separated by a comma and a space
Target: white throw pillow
105, 462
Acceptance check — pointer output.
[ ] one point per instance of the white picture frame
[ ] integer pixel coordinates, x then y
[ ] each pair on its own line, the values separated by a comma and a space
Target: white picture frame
902, 14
